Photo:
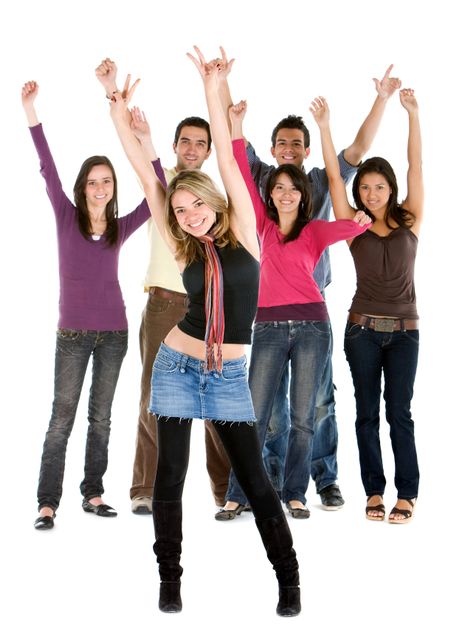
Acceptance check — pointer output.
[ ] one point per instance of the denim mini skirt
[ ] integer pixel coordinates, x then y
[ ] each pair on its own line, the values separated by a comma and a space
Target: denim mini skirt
182, 388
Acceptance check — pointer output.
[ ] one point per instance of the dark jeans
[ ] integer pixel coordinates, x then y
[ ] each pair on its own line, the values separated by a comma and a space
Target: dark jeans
393, 354
73, 351
242, 446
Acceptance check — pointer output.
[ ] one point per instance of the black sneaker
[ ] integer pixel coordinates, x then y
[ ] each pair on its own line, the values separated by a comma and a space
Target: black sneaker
331, 497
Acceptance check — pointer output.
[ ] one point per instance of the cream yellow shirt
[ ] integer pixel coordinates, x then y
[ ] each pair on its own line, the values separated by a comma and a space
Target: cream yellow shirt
162, 269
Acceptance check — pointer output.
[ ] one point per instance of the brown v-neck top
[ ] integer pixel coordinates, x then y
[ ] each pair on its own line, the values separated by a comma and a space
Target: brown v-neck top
385, 274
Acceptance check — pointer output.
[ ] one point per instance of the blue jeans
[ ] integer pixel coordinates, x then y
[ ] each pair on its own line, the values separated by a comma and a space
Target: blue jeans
324, 457
306, 345
73, 351
393, 354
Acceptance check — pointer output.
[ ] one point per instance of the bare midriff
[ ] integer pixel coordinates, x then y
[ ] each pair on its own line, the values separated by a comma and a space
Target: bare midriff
182, 342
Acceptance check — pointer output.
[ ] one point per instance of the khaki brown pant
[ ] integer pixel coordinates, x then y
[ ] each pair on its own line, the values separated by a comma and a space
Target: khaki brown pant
158, 317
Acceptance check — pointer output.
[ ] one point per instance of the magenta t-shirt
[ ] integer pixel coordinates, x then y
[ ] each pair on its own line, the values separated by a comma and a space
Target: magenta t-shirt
287, 287
90, 294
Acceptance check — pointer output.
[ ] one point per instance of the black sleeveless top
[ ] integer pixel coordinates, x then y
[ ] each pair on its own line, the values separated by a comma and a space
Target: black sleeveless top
240, 296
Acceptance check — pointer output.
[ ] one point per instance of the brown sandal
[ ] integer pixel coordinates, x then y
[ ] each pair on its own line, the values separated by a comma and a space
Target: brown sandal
381, 508
406, 512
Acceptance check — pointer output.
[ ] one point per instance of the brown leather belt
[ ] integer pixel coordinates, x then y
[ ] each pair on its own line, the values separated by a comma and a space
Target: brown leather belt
383, 324
167, 294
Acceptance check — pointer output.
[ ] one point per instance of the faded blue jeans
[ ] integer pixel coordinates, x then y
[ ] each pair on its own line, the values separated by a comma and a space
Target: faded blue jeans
73, 351
324, 468
306, 345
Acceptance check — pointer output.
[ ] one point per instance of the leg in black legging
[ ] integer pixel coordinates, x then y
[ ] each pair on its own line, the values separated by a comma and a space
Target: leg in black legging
244, 452
173, 457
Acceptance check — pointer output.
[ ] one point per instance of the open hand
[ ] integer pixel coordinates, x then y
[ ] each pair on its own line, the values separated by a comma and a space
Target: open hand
320, 110
139, 125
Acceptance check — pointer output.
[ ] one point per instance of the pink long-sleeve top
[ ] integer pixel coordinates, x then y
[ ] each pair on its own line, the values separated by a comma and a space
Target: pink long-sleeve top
287, 288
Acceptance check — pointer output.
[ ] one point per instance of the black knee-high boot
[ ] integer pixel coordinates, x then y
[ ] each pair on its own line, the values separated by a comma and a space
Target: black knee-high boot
277, 540
167, 518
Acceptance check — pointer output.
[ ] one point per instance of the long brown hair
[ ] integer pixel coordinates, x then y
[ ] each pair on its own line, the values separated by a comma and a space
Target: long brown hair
189, 248
111, 212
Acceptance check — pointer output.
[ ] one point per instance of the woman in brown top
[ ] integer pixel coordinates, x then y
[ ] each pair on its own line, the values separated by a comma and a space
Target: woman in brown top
382, 334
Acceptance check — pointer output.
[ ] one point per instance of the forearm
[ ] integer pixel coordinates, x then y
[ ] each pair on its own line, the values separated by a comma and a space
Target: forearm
135, 152
148, 149
366, 133
31, 115
219, 126
225, 99
329, 154
414, 141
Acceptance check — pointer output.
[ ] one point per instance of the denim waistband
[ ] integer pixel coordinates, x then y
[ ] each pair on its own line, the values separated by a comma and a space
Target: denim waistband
184, 360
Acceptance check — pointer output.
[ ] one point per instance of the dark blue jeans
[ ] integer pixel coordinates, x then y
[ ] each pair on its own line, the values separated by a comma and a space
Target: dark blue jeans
306, 345
73, 351
393, 354
324, 456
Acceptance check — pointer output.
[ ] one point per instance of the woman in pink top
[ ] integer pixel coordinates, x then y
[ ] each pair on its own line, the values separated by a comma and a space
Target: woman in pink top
292, 324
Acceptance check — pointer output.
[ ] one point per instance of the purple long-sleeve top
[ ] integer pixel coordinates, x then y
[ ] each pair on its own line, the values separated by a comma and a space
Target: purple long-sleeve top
90, 294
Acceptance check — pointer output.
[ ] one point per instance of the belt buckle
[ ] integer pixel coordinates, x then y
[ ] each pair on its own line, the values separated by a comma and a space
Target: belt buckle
384, 325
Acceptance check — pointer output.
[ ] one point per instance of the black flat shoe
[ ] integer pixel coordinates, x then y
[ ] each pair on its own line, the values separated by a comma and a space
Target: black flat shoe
298, 513
102, 510
225, 514
44, 523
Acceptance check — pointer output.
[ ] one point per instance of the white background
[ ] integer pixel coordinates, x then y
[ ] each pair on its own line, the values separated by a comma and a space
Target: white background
92, 579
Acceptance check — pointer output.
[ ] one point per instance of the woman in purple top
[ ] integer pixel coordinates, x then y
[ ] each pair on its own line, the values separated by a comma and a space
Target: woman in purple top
382, 336
92, 318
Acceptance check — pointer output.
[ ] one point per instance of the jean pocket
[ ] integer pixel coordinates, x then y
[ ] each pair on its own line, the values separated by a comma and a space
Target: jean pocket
412, 335
123, 334
65, 333
156, 305
262, 327
164, 363
234, 373
321, 328
352, 330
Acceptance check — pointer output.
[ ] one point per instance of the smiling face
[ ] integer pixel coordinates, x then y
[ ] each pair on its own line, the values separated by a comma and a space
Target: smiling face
191, 148
99, 188
193, 215
290, 147
286, 197
374, 192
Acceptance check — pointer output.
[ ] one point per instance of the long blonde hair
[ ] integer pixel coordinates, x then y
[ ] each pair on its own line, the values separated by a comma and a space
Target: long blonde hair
188, 247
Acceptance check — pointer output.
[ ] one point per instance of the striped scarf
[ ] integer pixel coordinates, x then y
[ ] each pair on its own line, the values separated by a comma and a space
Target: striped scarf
214, 313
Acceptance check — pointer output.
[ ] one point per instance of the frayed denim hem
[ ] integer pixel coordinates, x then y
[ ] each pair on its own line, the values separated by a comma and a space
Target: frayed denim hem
221, 421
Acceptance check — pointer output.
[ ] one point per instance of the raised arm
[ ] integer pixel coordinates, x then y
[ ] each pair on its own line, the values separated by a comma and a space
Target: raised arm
341, 206
242, 218
385, 88
415, 197
29, 92
136, 154
106, 73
